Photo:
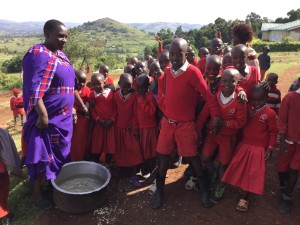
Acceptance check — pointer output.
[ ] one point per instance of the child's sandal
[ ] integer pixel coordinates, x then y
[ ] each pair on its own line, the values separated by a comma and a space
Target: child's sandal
242, 205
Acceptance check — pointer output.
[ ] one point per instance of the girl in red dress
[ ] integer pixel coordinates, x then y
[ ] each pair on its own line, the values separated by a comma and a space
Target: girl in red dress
247, 168
104, 115
128, 151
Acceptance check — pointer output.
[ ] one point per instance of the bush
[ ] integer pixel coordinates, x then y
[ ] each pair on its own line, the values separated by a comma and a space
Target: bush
284, 46
9, 81
13, 65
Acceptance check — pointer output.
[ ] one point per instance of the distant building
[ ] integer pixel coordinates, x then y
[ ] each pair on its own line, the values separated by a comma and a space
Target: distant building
279, 31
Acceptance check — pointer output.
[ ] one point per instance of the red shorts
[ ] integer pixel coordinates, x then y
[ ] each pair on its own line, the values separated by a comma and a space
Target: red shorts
289, 160
226, 146
182, 135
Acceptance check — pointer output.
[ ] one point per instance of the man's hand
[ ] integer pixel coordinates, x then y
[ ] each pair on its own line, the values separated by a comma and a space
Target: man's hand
42, 121
268, 153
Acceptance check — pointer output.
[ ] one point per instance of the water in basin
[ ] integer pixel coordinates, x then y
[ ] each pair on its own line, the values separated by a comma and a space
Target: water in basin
81, 183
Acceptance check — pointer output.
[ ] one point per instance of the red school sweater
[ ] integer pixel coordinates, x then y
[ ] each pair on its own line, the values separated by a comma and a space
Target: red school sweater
288, 118
181, 94
104, 108
124, 106
261, 129
233, 113
145, 110
251, 79
201, 64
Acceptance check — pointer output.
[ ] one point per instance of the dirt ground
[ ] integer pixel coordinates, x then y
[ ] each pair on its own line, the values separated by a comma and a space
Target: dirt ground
127, 205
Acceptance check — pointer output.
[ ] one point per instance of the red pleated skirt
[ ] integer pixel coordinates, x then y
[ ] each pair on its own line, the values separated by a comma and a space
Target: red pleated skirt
148, 142
103, 140
128, 152
247, 169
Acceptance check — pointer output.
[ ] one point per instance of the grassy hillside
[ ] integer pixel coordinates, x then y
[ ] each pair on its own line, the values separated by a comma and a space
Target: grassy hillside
155, 27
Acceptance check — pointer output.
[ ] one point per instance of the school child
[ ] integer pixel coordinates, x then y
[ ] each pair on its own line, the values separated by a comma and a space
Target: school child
80, 139
16, 105
139, 70
233, 117
157, 74
182, 83
8, 158
212, 74
226, 61
274, 94
132, 61
288, 158
129, 69
227, 49
216, 47
203, 52
164, 60
104, 115
249, 74
147, 123
247, 168
191, 58
128, 151
104, 69
264, 62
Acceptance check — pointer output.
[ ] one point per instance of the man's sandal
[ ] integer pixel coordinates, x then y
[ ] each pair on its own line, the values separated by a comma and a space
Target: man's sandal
242, 205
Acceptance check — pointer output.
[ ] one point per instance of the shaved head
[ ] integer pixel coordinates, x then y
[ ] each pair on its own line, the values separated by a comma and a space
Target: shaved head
126, 77
214, 59
240, 48
178, 52
52, 25
231, 72
97, 76
179, 43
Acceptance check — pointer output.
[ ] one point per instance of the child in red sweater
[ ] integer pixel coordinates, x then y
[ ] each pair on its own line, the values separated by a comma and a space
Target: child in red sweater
289, 157
103, 113
216, 47
203, 52
128, 151
233, 117
16, 105
248, 166
212, 73
274, 94
226, 61
147, 123
81, 138
249, 74
182, 83
104, 69
191, 58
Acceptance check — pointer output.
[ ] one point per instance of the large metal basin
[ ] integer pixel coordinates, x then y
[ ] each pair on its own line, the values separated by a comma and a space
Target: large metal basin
87, 194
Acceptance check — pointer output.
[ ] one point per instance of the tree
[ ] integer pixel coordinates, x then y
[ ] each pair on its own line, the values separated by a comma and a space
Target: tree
179, 32
13, 65
292, 15
256, 21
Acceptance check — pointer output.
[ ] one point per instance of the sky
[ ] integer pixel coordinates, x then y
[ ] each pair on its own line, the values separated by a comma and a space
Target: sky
137, 11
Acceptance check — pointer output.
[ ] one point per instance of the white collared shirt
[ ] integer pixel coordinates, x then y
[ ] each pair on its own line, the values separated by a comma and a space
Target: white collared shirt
225, 100
298, 91
182, 68
247, 71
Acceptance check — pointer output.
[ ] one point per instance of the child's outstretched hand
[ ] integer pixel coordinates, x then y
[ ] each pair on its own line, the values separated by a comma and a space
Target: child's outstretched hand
268, 153
157, 38
242, 97
283, 144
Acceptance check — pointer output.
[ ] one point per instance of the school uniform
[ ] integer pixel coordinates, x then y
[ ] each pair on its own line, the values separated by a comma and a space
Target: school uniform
201, 65
103, 139
247, 168
234, 115
289, 123
80, 138
248, 81
128, 151
109, 80
179, 103
16, 105
274, 99
147, 124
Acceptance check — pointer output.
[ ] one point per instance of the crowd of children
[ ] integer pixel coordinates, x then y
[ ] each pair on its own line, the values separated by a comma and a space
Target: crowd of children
218, 113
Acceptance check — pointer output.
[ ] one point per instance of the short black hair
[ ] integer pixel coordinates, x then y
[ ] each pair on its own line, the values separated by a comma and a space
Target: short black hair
243, 32
51, 25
